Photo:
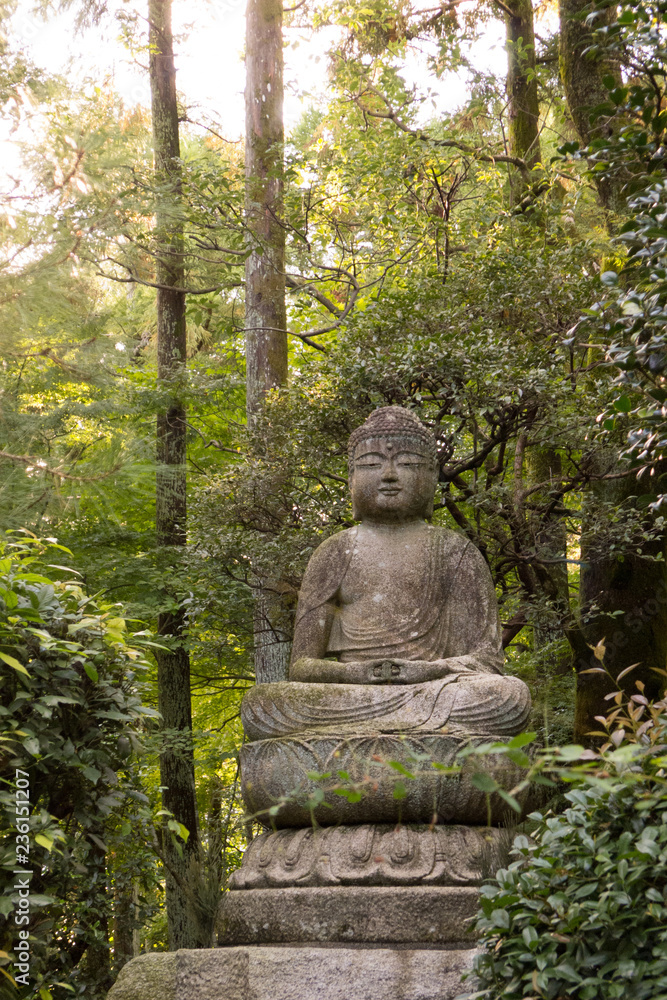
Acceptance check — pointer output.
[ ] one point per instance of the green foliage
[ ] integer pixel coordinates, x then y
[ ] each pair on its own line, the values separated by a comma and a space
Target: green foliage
582, 911
633, 321
631, 146
71, 716
630, 314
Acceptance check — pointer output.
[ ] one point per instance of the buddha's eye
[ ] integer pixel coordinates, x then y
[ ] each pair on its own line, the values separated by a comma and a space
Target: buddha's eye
369, 462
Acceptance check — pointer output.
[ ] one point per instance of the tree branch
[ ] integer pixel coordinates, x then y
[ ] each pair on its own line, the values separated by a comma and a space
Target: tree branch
39, 463
478, 154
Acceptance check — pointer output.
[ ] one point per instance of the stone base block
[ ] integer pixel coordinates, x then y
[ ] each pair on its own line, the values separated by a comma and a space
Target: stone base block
416, 778
373, 854
296, 973
413, 915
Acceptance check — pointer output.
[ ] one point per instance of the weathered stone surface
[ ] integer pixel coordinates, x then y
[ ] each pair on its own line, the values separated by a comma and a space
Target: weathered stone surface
348, 914
149, 977
280, 773
372, 854
462, 703
195, 975
297, 973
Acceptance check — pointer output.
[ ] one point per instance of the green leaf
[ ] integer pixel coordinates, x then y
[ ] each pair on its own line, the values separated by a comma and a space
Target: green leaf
12, 662
484, 782
501, 918
522, 740
92, 672
400, 791
181, 831
571, 752
10, 598
38, 899
67, 569
511, 801
401, 768
529, 935
352, 795
59, 699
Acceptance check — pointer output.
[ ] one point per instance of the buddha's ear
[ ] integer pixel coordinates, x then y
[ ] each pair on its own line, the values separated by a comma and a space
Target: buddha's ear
350, 481
428, 509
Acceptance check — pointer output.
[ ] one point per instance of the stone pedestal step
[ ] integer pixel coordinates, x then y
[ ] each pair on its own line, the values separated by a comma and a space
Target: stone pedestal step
302, 972
412, 915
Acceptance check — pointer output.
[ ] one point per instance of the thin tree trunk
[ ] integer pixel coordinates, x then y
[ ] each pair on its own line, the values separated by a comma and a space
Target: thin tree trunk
215, 828
125, 924
265, 318
523, 104
544, 465
176, 760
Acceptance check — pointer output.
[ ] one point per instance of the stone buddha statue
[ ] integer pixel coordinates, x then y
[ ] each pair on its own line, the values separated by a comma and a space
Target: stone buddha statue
397, 626
362, 766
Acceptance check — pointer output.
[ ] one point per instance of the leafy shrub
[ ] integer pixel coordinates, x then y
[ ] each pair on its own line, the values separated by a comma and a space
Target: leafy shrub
582, 911
69, 716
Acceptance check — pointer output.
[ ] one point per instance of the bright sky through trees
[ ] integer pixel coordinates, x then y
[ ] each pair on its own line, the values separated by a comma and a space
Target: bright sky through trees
210, 41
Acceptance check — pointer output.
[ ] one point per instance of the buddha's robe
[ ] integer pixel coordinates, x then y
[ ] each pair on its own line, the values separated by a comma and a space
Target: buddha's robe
443, 608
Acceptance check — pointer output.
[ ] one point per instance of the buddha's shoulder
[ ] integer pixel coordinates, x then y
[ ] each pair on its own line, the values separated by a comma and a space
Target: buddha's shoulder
447, 540
340, 544
326, 568
456, 552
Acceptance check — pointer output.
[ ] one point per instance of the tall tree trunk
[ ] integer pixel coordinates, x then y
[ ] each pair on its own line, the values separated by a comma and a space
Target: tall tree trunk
544, 466
623, 600
582, 73
176, 759
125, 923
523, 104
265, 317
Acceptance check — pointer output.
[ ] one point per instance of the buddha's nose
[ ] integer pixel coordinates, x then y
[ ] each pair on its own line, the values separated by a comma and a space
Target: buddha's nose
389, 473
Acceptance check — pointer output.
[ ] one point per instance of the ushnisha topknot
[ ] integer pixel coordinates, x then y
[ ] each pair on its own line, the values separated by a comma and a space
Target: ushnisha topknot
392, 421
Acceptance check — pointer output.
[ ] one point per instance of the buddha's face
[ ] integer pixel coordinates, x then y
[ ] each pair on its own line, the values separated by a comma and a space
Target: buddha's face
392, 479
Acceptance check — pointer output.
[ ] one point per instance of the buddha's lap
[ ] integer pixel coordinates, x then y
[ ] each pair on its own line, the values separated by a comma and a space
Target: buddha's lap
483, 702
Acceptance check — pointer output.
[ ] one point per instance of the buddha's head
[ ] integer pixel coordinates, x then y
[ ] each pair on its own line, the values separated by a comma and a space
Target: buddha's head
393, 467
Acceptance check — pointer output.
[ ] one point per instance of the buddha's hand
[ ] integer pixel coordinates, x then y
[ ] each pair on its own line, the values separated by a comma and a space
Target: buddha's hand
398, 671
384, 671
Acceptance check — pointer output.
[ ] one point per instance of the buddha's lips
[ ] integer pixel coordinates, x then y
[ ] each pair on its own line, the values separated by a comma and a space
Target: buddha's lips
390, 491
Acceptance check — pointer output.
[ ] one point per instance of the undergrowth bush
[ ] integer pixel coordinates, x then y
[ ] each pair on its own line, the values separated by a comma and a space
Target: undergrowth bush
581, 914
74, 821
